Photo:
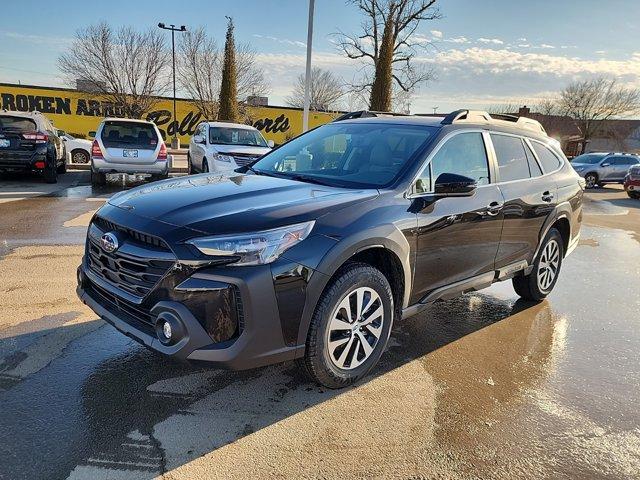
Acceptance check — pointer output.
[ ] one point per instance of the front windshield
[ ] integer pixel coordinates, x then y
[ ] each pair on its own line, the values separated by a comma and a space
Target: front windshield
588, 159
368, 155
236, 136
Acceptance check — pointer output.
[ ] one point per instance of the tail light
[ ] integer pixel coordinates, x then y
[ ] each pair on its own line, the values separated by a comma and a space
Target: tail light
37, 137
96, 152
162, 154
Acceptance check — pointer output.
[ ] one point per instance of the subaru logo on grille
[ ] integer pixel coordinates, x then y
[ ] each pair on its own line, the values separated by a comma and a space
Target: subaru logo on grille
109, 242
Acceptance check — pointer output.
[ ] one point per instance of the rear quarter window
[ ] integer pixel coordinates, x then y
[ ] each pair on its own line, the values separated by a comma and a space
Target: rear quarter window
548, 159
511, 156
129, 135
18, 124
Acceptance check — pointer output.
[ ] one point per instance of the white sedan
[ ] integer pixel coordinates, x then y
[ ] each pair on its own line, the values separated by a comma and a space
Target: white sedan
77, 148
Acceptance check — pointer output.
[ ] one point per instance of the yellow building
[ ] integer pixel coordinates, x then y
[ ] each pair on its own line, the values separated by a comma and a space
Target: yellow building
81, 112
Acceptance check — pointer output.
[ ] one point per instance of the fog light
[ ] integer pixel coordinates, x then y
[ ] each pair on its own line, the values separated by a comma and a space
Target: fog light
166, 330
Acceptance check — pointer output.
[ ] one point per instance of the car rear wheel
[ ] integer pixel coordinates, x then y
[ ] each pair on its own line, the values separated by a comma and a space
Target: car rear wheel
189, 166
79, 156
62, 168
205, 166
591, 180
51, 171
546, 269
350, 326
98, 179
633, 194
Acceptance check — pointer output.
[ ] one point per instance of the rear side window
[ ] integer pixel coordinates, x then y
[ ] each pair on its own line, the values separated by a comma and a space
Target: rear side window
511, 156
129, 135
463, 154
625, 161
17, 124
548, 159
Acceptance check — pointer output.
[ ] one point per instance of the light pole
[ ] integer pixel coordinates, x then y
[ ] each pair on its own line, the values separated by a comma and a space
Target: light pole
307, 76
175, 143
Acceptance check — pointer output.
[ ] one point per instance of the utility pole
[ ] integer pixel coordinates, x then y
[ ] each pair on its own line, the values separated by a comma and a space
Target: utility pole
175, 143
307, 76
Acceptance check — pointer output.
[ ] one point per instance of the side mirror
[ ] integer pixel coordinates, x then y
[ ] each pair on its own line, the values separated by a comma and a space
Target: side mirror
453, 185
198, 139
92, 134
271, 143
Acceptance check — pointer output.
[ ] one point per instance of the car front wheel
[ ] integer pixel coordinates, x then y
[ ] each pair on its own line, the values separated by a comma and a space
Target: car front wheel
350, 326
546, 269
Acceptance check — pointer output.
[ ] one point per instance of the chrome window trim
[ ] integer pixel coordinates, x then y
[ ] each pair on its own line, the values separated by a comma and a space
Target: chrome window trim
436, 149
551, 150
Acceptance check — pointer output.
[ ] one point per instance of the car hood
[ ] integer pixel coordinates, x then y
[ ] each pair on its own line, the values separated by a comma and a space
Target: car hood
219, 204
241, 149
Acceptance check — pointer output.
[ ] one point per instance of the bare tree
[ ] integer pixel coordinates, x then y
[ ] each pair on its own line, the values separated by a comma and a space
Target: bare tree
200, 72
592, 102
126, 68
392, 57
326, 91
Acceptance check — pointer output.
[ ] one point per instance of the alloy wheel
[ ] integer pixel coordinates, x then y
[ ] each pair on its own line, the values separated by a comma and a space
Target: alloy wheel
590, 181
355, 328
548, 265
80, 157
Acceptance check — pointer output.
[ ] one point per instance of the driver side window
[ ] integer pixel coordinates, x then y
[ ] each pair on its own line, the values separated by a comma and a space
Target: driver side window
464, 154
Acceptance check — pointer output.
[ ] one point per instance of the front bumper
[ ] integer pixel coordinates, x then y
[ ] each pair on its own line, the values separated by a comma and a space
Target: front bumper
257, 337
632, 185
160, 167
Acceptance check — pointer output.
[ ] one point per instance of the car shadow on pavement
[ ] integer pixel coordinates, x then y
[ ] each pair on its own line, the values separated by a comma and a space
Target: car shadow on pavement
109, 404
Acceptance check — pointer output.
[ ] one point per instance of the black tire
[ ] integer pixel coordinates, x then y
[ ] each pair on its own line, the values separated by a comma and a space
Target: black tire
527, 286
591, 179
317, 362
159, 176
80, 156
205, 166
98, 179
51, 171
633, 195
189, 166
62, 168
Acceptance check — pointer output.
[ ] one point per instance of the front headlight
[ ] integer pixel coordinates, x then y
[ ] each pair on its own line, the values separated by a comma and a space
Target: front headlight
578, 169
257, 248
223, 158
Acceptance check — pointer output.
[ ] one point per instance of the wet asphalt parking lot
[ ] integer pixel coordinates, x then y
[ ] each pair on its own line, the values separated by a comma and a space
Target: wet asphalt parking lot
484, 386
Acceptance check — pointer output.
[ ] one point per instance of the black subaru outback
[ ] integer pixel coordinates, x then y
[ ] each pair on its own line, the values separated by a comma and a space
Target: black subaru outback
313, 251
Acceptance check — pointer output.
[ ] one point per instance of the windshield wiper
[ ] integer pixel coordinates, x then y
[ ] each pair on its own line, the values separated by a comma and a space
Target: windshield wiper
307, 178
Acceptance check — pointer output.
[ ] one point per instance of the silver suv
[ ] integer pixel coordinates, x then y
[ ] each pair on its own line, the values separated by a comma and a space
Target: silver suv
601, 168
128, 146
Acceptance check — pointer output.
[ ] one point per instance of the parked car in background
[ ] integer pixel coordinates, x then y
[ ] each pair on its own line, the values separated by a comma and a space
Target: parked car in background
601, 168
29, 142
78, 148
315, 250
632, 182
128, 146
222, 147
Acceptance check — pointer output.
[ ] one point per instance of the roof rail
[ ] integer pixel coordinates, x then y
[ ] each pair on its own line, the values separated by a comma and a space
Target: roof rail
367, 114
483, 117
468, 115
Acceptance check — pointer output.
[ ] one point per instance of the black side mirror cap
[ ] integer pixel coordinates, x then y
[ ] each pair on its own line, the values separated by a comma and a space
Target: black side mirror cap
454, 185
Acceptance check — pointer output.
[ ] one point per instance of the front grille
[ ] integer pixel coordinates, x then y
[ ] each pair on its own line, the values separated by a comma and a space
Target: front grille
107, 226
244, 159
135, 315
136, 266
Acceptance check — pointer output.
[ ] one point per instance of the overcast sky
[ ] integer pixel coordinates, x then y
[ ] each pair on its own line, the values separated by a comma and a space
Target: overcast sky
483, 52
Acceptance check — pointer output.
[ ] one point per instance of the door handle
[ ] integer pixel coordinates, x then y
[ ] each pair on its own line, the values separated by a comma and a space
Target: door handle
547, 197
494, 208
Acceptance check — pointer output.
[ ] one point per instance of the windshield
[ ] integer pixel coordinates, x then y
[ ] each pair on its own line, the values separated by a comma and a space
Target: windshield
19, 124
588, 159
129, 135
368, 155
236, 136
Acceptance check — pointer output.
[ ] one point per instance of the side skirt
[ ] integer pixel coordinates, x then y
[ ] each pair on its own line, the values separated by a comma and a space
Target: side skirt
472, 284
